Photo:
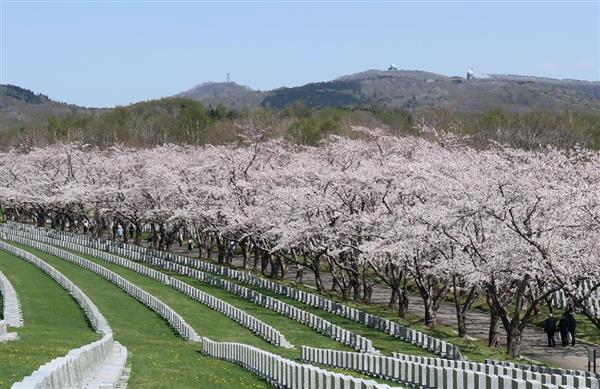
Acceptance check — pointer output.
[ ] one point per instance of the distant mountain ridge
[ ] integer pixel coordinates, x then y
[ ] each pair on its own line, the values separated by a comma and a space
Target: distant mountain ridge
413, 89
406, 89
20, 106
230, 94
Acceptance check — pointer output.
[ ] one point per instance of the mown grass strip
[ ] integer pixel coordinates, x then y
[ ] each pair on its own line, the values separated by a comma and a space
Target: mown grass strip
218, 327
55, 322
158, 357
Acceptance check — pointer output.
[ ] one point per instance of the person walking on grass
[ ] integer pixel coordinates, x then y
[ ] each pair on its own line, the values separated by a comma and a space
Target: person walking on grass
572, 325
120, 232
550, 329
299, 274
563, 328
190, 246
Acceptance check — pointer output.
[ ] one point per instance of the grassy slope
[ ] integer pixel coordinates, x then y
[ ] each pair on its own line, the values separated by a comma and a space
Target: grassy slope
585, 328
210, 323
474, 350
217, 326
158, 357
295, 332
54, 322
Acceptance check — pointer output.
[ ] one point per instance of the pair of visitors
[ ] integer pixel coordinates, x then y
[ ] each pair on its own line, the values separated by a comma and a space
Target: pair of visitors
567, 327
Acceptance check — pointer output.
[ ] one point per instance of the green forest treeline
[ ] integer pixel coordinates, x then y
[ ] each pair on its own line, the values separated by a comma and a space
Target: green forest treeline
185, 121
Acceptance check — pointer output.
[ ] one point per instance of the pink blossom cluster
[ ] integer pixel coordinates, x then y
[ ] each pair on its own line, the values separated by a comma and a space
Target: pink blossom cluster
515, 224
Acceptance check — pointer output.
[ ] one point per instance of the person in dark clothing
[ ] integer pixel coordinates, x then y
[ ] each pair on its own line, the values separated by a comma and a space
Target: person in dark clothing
572, 326
550, 329
563, 328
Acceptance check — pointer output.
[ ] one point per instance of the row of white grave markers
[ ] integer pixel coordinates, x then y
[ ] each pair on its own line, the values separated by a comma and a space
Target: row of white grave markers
543, 369
162, 309
99, 364
260, 328
282, 372
391, 328
275, 369
321, 325
138, 253
589, 289
12, 316
551, 376
11, 307
6, 336
443, 376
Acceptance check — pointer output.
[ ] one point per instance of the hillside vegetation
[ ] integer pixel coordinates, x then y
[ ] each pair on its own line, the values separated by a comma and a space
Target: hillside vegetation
526, 112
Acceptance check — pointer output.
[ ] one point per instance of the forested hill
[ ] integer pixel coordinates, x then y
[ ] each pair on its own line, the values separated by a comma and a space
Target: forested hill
21, 107
522, 111
412, 89
230, 94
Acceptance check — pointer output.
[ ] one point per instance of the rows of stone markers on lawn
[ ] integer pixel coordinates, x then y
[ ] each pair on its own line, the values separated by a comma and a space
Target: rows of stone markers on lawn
444, 373
257, 326
142, 254
311, 320
282, 372
101, 362
545, 375
542, 369
138, 253
11, 310
588, 288
278, 371
427, 372
11, 307
162, 309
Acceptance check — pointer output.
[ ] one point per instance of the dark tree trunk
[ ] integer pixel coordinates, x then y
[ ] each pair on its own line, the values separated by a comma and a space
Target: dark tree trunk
221, 248
245, 246
393, 298
430, 313
494, 332
256, 258
41, 219
462, 308
138, 234
514, 337
264, 262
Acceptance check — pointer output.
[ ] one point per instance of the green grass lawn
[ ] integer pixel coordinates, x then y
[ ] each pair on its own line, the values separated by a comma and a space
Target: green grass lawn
585, 328
150, 340
159, 358
475, 350
298, 334
217, 326
54, 322
145, 352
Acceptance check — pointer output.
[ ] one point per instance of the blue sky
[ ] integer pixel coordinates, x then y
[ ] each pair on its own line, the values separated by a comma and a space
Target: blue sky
114, 52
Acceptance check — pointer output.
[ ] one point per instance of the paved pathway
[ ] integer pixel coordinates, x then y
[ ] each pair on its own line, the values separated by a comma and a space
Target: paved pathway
534, 340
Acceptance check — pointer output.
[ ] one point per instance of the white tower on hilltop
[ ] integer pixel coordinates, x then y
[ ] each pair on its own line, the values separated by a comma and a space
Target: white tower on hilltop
470, 74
